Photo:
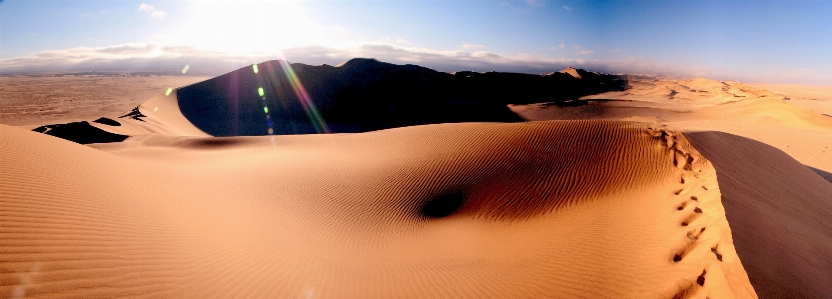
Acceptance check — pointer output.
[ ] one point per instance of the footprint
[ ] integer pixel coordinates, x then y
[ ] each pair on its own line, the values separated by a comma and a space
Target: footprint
684, 251
694, 234
701, 279
718, 255
691, 219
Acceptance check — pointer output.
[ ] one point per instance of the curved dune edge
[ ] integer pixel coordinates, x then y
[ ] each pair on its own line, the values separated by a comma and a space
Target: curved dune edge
779, 210
548, 209
158, 115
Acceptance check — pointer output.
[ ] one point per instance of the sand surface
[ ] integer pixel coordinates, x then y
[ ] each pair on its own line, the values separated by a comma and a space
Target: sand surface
760, 144
31, 101
710, 105
779, 212
668, 189
812, 97
570, 208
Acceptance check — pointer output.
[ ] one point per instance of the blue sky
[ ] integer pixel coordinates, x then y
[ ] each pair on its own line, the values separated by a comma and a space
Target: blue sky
775, 41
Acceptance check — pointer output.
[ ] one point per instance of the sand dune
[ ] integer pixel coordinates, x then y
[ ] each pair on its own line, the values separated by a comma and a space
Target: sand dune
363, 95
779, 212
811, 97
158, 115
759, 114
33, 101
682, 95
563, 209
278, 98
600, 200
778, 207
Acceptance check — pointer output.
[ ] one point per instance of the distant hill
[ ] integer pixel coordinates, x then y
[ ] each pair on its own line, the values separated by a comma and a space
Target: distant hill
359, 95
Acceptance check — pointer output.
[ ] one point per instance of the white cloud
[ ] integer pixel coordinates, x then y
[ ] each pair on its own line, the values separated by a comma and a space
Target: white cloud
535, 3
134, 48
145, 7
473, 47
567, 7
155, 14
402, 41
582, 51
169, 58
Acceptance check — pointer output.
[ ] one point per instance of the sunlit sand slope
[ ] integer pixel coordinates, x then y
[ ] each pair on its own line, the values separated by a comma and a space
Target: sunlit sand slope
592, 209
708, 105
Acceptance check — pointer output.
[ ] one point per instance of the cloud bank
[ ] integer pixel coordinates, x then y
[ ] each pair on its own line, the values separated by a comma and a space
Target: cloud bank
170, 59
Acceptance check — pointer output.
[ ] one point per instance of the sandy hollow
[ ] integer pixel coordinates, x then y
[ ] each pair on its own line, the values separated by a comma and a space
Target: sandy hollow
543, 209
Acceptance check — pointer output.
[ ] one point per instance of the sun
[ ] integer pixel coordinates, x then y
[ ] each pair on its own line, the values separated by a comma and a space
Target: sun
245, 28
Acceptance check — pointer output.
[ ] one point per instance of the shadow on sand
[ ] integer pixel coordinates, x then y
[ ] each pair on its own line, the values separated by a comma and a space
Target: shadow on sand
80, 132
826, 175
778, 210
363, 95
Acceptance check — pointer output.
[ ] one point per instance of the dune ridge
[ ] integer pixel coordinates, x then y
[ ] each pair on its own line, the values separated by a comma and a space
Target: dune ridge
777, 207
279, 98
542, 209
779, 210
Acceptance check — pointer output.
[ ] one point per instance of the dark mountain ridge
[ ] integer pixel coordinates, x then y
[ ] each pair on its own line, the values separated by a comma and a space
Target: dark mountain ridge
365, 94
360, 95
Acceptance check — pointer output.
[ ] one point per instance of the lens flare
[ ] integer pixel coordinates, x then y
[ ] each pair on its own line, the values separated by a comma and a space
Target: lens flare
314, 116
266, 109
170, 89
185, 69
255, 68
260, 91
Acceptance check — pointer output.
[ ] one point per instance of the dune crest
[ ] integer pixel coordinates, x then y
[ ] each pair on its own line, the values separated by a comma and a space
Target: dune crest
542, 209
787, 254
279, 98
777, 206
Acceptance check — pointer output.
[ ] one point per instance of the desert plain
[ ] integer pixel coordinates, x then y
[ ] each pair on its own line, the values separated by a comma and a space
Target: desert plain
643, 187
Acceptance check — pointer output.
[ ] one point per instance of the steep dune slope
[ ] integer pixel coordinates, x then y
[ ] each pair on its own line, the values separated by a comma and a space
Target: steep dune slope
279, 98
158, 115
733, 108
777, 206
779, 211
544, 209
